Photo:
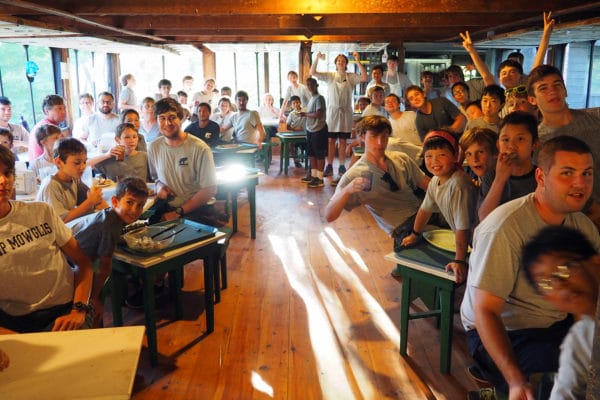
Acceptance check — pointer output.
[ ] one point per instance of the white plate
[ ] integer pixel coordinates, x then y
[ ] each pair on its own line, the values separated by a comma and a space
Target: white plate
442, 239
106, 183
228, 146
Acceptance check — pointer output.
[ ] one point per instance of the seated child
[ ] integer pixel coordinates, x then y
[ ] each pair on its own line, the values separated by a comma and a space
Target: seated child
492, 102
6, 138
449, 192
564, 267
46, 136
375, 107
295, 122
64, 190
99, 233
515, 172
131, 116
473, 110
362, 103
516, 100
479, 147
123, 159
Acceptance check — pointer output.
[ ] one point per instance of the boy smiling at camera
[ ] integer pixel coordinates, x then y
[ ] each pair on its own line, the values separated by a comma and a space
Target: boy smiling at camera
451, 193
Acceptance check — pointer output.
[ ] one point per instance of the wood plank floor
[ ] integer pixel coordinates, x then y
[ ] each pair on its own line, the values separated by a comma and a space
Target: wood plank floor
311, 312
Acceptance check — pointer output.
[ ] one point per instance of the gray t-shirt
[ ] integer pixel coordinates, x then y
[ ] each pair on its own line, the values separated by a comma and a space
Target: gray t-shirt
494, 264
389, 208
62, 196
585, 126
136, 165
96, 126
455, 199
98, 233
244, 125
128, 97
317, 102
185, 169
481, 123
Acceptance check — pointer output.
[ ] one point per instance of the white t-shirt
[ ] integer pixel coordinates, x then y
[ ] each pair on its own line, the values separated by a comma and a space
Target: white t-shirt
34, 273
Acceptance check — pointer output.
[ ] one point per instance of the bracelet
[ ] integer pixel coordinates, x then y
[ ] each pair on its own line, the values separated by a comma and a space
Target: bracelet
415, 232
82, 307
463, 262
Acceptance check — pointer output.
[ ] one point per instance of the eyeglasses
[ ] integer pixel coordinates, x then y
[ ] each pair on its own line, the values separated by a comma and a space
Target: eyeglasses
559, 277
521, 89
388, 179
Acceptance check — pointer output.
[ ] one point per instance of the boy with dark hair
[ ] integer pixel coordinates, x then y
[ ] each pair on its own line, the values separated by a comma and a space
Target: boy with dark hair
204, 128
492, 102
55, 114
20, 134
64, 191
473, 110
316, 134
564, 267
515, 171
449, 192
99, 233
39, 290
375, 107
6, 138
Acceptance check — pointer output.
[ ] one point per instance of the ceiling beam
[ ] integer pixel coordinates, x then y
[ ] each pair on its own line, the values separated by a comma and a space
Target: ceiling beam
186, 7
52, 11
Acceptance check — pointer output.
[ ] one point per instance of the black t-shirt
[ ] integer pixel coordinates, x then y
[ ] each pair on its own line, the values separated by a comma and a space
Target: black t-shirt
210, 133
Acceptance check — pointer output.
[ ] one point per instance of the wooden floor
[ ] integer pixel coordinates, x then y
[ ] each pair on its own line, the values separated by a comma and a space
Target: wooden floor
311, 312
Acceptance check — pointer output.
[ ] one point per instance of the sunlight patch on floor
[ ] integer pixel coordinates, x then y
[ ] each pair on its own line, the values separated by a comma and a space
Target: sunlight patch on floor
329, 358
380, 318
260, 385
353, 253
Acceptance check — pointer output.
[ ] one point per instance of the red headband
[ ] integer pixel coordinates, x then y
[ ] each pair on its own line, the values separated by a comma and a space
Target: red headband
444, 135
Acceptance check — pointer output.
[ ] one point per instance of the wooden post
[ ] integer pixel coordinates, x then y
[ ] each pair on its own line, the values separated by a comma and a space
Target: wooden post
113, 78
65, 82
209, 65
304, 60
266, 72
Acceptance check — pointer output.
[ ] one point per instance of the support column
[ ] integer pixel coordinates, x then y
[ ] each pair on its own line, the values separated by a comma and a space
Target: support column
209, 64
304, 60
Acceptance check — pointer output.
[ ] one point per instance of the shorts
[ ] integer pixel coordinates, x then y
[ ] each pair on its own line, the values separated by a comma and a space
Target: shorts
338, 135
316, 143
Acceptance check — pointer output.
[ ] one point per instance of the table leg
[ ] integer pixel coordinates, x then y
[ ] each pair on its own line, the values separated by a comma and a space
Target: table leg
116, 296
447, 308
252, 200
404, 312
209, 299
175, 284
286, 157
281, 156
148, 283
234, 210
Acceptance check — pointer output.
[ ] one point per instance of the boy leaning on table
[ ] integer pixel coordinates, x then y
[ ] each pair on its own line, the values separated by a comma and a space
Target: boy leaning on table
98, 233
39, 290
65, 191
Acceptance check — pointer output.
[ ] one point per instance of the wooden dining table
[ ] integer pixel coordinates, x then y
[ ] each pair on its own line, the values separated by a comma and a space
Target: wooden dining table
424, 276
82, 364
170, 260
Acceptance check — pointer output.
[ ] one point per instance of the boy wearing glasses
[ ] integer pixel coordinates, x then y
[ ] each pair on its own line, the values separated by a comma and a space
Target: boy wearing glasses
564, 267
451, 193
383, 181
512, 331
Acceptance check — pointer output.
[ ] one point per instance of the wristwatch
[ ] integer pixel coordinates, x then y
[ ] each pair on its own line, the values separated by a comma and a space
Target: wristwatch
179, 210
82, 307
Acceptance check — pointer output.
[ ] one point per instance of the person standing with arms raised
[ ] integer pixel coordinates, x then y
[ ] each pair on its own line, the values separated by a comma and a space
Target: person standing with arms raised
340, 85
